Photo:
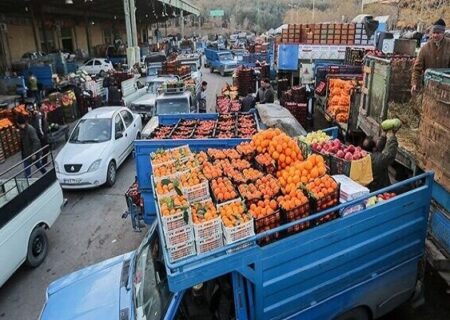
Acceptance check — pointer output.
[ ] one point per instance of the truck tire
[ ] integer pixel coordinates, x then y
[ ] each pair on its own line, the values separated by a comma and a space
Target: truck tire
111, 174
222, 71
359, 313
37, 247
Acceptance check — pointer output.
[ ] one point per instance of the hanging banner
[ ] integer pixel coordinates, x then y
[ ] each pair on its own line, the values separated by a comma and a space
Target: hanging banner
288, 57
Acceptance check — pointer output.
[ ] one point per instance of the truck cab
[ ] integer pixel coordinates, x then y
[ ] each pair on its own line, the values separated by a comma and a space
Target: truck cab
220, 60
145, 103
172, 103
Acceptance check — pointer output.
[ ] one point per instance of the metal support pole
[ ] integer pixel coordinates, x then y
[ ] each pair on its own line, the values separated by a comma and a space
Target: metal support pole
126, 9
133, 23
88, 37
182, 24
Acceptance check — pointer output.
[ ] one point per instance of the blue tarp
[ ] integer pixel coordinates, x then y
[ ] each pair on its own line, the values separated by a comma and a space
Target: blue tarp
288, 57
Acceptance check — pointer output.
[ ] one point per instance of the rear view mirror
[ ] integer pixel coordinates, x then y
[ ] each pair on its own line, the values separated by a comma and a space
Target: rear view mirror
119, 135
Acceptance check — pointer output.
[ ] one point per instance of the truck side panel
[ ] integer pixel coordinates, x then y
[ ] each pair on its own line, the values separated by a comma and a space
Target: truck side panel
322, 262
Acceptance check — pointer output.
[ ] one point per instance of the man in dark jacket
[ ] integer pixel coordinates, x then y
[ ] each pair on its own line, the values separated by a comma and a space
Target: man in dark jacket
201, 98
39, 122
269, 93
248, 102
434, 54
29, 144
383, 155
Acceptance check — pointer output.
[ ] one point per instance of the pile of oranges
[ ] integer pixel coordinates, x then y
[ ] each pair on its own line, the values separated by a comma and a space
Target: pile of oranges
301, 172
250, 191
165, 186
192, 178
173, 204
280, 147
263, 208
233, 214
203, 211
292, 200
223, 189
211, 171
162, 156
322, 186
268, 186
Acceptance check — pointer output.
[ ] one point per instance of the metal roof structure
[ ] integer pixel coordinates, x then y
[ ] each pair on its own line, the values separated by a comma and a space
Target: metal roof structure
146, 10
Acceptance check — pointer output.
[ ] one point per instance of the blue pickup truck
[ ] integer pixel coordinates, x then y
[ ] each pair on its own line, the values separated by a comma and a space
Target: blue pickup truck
360, 266
220, 60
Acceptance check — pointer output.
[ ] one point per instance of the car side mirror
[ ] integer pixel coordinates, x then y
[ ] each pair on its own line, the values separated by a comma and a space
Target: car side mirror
119, 135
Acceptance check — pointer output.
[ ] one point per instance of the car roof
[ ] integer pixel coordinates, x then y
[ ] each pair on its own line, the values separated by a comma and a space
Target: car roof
103, 112
185, 94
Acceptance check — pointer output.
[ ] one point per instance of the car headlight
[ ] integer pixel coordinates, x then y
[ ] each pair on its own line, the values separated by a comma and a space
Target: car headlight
56, 167
95, 165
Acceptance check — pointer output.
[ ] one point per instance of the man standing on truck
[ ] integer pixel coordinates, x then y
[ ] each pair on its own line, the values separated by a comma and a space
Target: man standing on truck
29, 144
201, 98
434, 54
383, 155
39, 123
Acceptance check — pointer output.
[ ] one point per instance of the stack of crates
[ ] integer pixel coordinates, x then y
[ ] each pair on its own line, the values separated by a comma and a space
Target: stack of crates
361, 37
10, 141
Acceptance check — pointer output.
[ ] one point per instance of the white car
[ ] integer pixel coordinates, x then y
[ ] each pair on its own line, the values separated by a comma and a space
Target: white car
98, 145
97, 66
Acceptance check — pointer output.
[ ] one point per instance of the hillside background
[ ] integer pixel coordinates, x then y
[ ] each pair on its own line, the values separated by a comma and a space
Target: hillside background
261, 15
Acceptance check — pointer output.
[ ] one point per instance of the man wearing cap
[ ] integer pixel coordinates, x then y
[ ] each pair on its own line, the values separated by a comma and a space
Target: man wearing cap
434, 54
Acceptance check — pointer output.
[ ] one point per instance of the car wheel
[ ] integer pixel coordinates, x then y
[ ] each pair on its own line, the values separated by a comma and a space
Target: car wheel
102, 73
37, 247
111, 174
222, 72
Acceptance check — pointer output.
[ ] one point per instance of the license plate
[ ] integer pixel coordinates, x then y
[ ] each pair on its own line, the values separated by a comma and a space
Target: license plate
72, 181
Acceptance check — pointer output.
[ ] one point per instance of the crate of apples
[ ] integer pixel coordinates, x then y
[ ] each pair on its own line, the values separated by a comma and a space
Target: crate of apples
223, 190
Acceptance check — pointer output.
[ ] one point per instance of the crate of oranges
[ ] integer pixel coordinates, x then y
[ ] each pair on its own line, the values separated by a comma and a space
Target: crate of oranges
206, 221
295, 206
323, 192
174, 169
167, 187
267, 216
168, 155
237, 223
175, 212
223, 190
181, 251
265, 163
194, 185
250, 193
246, 150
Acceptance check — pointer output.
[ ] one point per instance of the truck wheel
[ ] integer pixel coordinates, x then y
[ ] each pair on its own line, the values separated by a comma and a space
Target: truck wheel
37, 247
354, 314
111, 174
222, 72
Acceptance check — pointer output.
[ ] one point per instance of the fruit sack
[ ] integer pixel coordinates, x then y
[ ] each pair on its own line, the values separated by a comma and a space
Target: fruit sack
347, 159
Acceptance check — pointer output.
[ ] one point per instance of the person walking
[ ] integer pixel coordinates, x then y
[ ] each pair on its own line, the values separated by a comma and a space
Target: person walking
434, 54
201, 98
33, 86
29, 145
39, 123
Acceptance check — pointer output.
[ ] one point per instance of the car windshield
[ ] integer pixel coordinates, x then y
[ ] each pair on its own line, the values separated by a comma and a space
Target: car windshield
172, 106
153, 86
226, 57
193, 67
151, 291
91, 131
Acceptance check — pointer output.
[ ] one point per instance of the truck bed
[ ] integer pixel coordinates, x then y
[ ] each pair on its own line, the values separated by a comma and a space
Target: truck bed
372, 255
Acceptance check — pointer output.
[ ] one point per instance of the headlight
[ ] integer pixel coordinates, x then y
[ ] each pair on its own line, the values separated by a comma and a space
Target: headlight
56, 167
95, 165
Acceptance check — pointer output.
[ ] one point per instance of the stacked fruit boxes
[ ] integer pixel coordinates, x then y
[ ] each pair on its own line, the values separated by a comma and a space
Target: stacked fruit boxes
361, 36
10, 141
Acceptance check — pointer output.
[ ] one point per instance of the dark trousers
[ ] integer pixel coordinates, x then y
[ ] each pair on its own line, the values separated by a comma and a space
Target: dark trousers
27, 165
45, 151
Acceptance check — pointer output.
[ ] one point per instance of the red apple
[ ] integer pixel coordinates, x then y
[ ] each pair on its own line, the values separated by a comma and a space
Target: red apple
348, 156
340, 154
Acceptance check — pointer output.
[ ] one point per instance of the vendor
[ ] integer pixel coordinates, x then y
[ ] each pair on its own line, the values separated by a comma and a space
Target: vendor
434, 54
383, 155
248, 102
201, 98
